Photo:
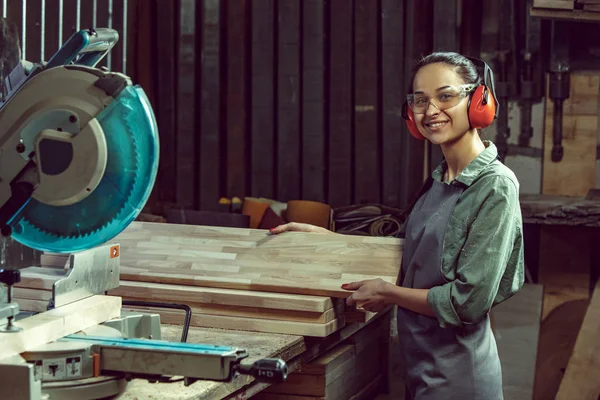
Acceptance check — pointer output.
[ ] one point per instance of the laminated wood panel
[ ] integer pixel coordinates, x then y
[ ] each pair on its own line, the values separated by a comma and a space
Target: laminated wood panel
235, 258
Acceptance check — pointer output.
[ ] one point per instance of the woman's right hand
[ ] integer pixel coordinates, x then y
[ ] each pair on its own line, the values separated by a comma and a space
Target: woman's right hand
298, 227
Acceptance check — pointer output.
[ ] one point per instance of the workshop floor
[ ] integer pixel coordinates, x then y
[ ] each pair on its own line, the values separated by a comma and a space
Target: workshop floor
516, 326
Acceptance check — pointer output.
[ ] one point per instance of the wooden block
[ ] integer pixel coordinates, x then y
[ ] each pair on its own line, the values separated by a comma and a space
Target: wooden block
579, 381
52, 325
592, 7
555, 4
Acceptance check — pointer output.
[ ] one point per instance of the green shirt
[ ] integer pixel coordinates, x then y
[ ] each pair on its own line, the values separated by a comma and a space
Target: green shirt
483, 244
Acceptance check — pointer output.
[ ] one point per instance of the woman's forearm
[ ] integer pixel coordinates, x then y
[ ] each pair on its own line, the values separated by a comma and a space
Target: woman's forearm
410, 299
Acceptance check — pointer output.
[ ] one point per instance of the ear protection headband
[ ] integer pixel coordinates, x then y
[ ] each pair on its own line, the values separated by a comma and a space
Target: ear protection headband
482, 108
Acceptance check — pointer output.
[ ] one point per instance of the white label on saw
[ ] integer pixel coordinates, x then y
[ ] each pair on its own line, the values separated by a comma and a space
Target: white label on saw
54, 369
73, 367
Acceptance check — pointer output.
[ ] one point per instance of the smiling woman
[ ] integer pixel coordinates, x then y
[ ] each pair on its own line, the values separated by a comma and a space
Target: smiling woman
463, 247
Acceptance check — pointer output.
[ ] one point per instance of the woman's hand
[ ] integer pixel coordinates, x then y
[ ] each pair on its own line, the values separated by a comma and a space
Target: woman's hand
369, 295
298, 227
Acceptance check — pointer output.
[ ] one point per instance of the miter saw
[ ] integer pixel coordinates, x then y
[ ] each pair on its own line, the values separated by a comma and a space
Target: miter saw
78, 159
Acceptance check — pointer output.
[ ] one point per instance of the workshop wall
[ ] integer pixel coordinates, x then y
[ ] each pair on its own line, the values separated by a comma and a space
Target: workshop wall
280, 99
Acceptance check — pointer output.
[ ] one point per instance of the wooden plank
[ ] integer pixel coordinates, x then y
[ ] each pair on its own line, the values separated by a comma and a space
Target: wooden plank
263, 99
288, 100
341, 102
165, 107
237, 97
554, 4
250, 259
313, 100
59, 322
584, 364
565, 15
392, 53
259, 313
187, 134
210, 108
249, 324
575, 174
366, 103
223, 297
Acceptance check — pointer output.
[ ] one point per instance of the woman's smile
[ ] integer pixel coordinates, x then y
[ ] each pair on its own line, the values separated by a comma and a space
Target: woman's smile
437, 125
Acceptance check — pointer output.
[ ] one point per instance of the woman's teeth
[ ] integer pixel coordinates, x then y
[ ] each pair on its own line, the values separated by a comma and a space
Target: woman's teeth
436, 124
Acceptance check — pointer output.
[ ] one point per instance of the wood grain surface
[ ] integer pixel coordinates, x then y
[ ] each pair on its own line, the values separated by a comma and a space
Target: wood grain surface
233, 258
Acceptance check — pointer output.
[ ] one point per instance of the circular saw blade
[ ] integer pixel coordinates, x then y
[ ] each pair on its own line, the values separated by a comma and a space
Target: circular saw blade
132, 145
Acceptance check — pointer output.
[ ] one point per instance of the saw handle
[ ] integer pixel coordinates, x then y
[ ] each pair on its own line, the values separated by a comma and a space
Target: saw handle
86, 47
268, 370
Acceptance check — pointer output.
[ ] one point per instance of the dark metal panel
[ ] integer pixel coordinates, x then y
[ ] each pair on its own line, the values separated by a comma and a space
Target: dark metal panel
186, 106
392, 73
289, 97
33, 32
366, 103
341, 101
237, 97
211, 162
313, 100
165, 37
118, 24
52, 28
263, 96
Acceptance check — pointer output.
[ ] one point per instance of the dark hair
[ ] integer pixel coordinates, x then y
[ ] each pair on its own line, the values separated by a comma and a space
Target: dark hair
461, 64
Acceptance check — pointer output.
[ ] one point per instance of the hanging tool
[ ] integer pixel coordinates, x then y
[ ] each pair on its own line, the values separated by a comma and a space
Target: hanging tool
529, 79
559, 86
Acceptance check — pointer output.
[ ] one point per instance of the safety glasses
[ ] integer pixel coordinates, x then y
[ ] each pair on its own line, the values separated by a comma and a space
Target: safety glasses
445, 98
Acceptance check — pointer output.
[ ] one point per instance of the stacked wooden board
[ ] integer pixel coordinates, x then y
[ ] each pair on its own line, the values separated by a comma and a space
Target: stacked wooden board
353, 369
235, 278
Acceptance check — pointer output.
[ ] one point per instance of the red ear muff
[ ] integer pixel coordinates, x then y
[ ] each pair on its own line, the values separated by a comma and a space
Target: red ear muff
482, 108
409, 117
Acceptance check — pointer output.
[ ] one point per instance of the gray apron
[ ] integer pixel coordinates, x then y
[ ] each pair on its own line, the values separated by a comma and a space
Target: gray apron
441, 363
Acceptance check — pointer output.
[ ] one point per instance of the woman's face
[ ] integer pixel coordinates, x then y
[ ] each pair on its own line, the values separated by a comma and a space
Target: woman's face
436, 82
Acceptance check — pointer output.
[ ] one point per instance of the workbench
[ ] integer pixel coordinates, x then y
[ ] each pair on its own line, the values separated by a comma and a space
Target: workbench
295, 350
562, 237
581, 213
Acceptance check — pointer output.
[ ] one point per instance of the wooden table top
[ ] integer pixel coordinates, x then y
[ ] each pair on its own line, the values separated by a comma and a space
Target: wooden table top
560, 210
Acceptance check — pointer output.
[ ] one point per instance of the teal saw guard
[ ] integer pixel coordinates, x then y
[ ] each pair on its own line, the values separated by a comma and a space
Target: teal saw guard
133, 152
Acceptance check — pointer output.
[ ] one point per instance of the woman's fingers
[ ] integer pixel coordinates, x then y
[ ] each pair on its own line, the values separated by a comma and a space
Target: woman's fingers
298, 227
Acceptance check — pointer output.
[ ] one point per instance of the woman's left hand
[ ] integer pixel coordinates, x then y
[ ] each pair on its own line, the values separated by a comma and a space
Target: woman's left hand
369, 294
